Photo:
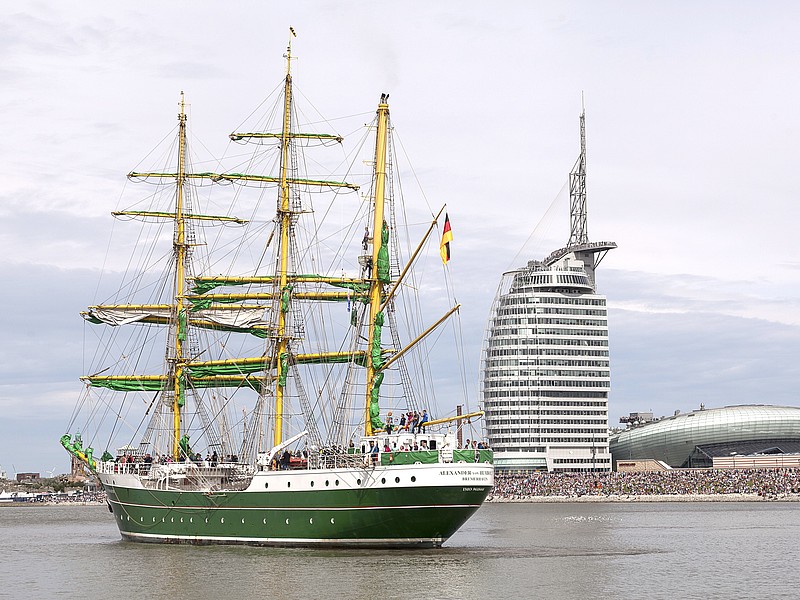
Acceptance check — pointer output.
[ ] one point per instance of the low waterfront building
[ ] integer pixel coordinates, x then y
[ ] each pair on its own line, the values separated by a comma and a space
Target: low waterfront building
728, 437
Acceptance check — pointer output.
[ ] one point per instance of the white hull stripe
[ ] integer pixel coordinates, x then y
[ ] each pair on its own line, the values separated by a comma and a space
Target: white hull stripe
282, 508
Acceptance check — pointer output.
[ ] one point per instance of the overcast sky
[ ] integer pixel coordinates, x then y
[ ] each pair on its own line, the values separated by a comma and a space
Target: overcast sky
692, 123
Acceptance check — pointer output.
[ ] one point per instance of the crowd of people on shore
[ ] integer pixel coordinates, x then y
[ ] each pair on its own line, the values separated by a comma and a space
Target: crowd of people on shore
79, 497
763, 482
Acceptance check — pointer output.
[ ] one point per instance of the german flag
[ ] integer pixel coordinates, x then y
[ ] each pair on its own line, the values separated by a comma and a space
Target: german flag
447, 237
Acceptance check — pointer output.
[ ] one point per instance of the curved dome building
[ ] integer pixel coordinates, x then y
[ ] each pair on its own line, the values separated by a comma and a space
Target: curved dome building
694, 439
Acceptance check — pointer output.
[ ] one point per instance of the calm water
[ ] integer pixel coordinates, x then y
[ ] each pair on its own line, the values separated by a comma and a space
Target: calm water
670, 550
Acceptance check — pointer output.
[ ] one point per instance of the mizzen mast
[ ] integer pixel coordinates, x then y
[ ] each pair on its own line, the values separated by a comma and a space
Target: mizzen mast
379, 275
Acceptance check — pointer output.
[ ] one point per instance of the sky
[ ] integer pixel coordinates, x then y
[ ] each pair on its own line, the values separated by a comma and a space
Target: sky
691, 124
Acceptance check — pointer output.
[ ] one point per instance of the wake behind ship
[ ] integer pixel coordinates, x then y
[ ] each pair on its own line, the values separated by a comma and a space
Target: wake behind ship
244, 386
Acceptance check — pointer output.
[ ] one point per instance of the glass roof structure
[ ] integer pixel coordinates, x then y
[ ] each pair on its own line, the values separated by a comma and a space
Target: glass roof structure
677, 440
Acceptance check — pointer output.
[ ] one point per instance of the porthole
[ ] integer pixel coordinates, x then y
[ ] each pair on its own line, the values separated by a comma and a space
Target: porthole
265, 521
397, 480
287, 521
327, 483
337, 482
266, 485
206, 521
172, 519
222, 520
162, 519
311, 521
288, 484
413, 479
383, 479
154, 519
141, 519
312, 484
191, 519
129, 517
181, 519
331, 520
242, 521
358, 481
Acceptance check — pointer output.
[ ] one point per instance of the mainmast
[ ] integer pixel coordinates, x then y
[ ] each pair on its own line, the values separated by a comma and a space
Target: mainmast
379, 273
284, 215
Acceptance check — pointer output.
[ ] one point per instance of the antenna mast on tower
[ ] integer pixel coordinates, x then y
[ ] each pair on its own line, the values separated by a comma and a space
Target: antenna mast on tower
577, 191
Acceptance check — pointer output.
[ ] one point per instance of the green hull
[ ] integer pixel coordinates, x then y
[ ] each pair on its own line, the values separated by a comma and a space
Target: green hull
411, 516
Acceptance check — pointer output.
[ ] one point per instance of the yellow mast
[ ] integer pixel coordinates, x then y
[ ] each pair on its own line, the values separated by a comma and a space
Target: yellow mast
376, 286
285, 222
179, 244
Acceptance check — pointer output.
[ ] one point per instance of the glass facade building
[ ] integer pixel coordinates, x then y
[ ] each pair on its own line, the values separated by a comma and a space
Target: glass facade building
546, 375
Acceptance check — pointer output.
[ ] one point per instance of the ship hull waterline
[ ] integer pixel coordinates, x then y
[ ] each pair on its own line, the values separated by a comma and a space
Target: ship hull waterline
345, 509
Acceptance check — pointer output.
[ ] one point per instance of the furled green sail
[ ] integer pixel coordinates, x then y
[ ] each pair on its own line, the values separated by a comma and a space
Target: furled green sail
377, 362
383, 256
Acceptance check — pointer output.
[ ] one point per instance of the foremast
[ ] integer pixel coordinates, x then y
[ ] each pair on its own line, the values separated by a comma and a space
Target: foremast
175, 313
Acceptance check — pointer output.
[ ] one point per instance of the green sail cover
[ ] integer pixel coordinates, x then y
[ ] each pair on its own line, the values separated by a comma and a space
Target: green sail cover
287, 290
227, 369
409, 458
201, 285
374, 403
130, 385
182, 324
75, 447
466, 455
377, 362
358, 359
284, 358
158, 385
207, 285
107, 456
182, 390
203, 303
256, 331
383, 256
377, 358
361, 288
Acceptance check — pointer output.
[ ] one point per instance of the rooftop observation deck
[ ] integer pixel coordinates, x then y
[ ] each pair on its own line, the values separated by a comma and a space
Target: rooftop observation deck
557, 255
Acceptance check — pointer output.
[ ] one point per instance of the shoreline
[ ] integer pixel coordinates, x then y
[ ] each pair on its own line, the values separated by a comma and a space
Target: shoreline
646, 498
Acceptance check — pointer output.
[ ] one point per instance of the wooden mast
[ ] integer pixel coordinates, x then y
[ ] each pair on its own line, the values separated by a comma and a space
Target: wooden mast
376, 286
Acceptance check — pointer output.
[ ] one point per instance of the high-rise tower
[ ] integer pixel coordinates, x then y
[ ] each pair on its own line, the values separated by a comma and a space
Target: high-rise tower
546, 372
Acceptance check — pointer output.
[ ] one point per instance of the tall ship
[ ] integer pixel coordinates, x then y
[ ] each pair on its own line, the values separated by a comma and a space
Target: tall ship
251, 391
546, 374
